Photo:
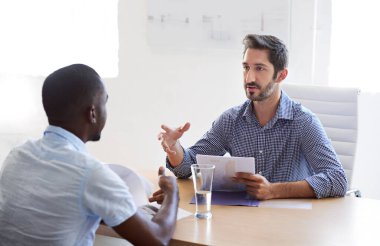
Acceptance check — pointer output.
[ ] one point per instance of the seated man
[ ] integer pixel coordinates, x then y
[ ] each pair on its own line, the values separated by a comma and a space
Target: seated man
293, 155
53, 192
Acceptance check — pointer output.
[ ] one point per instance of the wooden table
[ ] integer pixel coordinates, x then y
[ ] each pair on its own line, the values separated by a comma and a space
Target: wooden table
333, 221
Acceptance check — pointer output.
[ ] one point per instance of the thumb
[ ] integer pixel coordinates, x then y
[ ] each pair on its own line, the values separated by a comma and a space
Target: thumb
161, 171
185, 127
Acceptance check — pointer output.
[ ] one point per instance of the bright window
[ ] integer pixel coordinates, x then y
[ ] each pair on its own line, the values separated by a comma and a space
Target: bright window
39, 36
355, 40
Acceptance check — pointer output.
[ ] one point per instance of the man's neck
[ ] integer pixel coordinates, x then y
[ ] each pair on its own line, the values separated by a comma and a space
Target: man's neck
265, 110
74, 128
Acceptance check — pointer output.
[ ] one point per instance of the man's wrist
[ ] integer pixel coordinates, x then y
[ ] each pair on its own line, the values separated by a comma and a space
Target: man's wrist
176, 146
176, 158
276, 190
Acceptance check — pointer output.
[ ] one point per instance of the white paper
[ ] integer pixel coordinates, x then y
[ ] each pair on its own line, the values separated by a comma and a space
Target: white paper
225, 169
180, 214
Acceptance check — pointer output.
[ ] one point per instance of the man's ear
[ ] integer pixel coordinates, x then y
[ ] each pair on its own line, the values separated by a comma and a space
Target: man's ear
282, 75
92, 114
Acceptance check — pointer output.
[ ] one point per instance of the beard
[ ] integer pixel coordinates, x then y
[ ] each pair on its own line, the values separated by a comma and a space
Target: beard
264, 92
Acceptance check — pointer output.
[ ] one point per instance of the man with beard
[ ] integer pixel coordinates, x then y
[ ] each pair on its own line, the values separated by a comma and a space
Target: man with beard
53, 192
293, 155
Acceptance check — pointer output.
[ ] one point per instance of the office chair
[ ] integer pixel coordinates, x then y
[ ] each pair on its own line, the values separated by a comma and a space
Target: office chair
337, 109
139, 187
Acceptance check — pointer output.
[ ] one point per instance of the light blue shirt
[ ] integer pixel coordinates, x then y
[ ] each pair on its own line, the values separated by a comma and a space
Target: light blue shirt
52, 192
292, 146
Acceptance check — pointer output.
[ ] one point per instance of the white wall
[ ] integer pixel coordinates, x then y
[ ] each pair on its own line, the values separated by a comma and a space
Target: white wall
367, 163
155, 87
173, 86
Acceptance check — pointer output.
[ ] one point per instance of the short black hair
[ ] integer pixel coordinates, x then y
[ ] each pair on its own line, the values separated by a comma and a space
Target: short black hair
278, 53
67, 91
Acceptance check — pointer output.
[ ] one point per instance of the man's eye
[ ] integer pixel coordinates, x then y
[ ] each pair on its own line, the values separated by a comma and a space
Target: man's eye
246, 68
259, 68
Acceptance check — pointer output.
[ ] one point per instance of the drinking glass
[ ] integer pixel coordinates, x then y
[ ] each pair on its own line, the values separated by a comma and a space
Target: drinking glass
202, 175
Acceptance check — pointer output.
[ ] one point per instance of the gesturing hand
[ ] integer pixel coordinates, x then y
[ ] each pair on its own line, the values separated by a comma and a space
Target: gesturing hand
167, 185
169, 137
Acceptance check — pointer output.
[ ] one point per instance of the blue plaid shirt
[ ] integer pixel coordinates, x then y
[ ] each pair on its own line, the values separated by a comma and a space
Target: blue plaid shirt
292, 146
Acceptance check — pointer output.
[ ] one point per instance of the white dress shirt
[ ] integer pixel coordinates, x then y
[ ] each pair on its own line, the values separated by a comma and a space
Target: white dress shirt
52, 192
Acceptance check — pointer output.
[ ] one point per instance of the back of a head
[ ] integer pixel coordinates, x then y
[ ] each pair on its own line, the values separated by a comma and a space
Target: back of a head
68, 91
278, 53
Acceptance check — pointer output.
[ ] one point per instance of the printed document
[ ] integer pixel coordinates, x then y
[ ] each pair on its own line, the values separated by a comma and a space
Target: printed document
225, 169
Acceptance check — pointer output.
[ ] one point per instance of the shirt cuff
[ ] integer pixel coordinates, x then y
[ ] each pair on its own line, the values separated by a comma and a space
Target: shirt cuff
325, 186
183, 170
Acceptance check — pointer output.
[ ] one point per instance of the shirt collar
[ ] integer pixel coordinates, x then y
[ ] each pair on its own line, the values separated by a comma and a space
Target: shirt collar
284, 110
248, 113
66, 135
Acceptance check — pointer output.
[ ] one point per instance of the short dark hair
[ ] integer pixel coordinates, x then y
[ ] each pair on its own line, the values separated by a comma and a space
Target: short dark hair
67, 91
278, 53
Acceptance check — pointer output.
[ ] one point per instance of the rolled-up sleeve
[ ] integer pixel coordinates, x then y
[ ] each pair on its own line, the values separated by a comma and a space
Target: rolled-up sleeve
183, 170
329, 179
107, 196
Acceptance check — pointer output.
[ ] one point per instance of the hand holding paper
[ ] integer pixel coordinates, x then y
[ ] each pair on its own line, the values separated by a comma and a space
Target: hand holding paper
257, 186
225, 170
226, 191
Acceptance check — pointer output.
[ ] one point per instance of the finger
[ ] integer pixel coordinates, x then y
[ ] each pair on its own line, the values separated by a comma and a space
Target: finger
185, 127
159, 201
249, 176
237, 180
252, 194
158, 192
166, 148
154, 199
165, 145
247, 182
252, 186
243, 175
160, 136
161, 171
158, 198
243, 181
166, 128
257, 178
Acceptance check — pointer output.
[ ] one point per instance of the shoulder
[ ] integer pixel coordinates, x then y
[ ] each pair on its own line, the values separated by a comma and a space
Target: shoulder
59, 153
229, 118
295, 111
25, 151
306, 121
305, 116
236, 112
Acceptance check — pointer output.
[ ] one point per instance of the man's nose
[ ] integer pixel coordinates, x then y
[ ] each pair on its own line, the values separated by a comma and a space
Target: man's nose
250, 76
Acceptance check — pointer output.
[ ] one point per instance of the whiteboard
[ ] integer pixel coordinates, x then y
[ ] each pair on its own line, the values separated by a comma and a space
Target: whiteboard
214, 24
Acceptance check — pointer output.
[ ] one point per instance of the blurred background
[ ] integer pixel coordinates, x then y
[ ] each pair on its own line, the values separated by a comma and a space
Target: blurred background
172, 61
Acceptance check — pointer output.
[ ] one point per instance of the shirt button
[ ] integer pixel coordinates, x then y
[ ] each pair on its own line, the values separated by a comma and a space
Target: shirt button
260, 151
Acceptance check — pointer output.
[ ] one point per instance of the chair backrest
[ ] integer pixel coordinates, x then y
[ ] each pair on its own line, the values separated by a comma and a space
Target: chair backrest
337, 109
139, 187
